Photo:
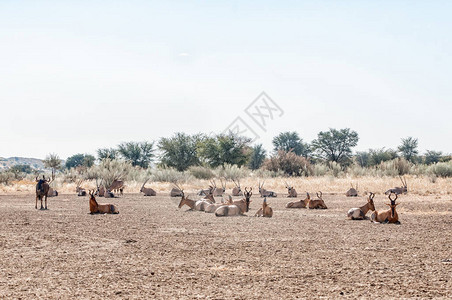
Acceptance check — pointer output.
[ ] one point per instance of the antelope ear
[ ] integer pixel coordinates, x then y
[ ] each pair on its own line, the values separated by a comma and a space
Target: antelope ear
388, 204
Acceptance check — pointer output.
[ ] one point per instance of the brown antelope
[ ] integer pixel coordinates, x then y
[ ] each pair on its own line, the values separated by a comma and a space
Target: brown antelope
399, 190
79, 190
237, 191
265, 210
42, 190
387, 216
176, 191
193, 204
264, 192
211, 208
360, 213
147, 191
317, 203
96, 208
117, 186
218, 191
299, 204
291, 190
239, 207
352, 192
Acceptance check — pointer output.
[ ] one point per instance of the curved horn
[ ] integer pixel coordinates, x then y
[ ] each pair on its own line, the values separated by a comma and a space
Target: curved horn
392, 200
371, 196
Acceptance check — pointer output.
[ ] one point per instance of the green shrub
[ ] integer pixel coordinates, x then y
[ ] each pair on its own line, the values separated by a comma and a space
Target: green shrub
200, 172
442, 169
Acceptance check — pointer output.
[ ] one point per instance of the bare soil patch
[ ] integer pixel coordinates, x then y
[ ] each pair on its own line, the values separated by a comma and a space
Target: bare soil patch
153, 250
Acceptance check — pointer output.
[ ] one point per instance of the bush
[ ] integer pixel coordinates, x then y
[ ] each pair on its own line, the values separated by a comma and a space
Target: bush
289, 163
200, 172
170, 175
441, 169
231, 172
6, 177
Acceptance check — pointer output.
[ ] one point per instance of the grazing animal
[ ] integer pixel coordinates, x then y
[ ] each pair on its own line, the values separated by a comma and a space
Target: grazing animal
237, 191
317, 203
96, 208
299, 204
387, 216
264, 192
239, 207
147, 191
360, 213
265, 210
79, 190
42, 190
291, 190
399, 190
352, 192
117, 186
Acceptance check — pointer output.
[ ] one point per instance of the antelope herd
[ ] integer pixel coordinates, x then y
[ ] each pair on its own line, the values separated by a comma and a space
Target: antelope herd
230, 207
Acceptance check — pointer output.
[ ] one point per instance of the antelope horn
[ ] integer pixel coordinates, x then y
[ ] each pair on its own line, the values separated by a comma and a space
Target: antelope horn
392, 200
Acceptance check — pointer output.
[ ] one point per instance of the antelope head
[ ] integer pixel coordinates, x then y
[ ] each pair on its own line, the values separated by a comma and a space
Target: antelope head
370, 200
319, 195
404, 185
248, 195
237, 184
393, 204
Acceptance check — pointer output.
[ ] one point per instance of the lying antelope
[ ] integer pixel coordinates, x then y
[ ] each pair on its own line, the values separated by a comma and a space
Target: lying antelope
100, 189
352, 192
96, 208
42, 190
79, 190
239, 207
265, 210
399, 190
147, 191
52, 192
387, 216
206, 191
299, 204
193, 204
218, 191
291, 190
317, 203
360, 213
176, 191
264, 192
237, 191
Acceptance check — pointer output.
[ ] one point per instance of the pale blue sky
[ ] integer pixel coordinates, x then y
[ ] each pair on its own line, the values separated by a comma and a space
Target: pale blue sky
76, 76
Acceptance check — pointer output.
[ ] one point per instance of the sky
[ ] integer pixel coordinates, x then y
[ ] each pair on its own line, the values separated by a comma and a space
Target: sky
76, 76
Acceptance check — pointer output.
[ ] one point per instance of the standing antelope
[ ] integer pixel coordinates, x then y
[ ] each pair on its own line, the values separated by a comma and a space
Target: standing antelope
299, 204
96, 208
237, 191
399, 190
352, 192
360, 213
387, 216
42, 190
317, 203
239, 207
291, 190
147, 191
264, 192
265, 210
117, 186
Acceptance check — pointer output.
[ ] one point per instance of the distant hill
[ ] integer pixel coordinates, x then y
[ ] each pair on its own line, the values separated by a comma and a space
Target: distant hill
34, 163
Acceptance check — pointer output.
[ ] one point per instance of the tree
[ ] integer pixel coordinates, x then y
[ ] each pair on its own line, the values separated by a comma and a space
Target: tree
335, 145
290, 141
377, 156
21, 169
225, 149
362, 159
110, 153
180, 151
257, 157
85, 160
53, 161
137, 153
432, 157
408, 149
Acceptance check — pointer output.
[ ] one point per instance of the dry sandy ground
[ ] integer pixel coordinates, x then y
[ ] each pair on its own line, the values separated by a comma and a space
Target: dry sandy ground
153, 250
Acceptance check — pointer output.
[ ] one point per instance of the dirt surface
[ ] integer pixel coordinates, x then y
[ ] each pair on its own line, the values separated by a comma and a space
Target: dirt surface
153, 250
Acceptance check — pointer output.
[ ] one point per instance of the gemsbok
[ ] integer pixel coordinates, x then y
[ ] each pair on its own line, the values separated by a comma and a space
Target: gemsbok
264, 192
237, 190
299, 204
317, 203
387, 216
147, 191
399, 190
176, 191
52, 192
96, 208
79, 190
100, 189
291, 190
360, 213
117, 186
42, 190
353, 191
265, 210
239, 207
218, 191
